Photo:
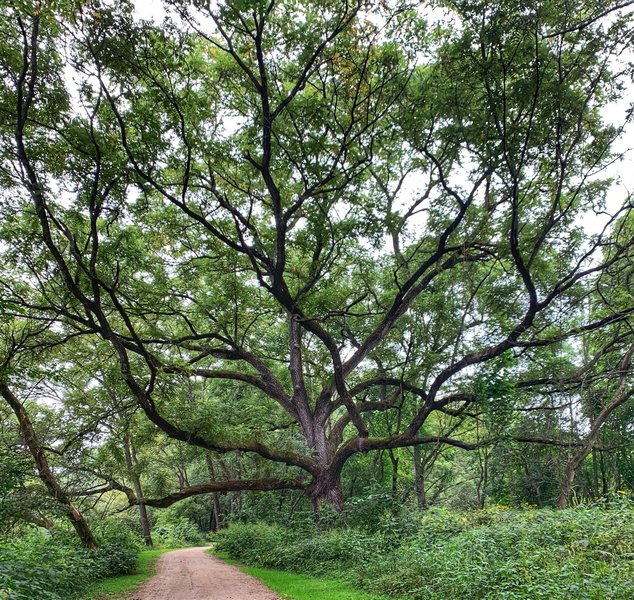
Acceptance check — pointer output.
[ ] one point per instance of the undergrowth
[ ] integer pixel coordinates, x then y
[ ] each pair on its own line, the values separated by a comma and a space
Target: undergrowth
52, 566
493, 554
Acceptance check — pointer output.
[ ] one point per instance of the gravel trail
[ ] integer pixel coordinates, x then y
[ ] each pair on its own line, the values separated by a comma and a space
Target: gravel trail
191, 574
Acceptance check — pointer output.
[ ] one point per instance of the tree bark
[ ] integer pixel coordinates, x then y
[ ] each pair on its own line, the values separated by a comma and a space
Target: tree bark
131, 463
604, 476
44, 470
419, 479
394, 461
325, 489
215, 506
217, 524
595, 473
481, 483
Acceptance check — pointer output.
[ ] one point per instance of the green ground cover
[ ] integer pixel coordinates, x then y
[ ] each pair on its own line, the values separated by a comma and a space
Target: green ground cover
120, 586
298, 586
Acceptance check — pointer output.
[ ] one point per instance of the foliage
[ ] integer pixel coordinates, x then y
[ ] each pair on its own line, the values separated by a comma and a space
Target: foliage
173, 531
119, 585
296, 550
292, 233
357, 253
21, 579
15, 499
52, 565
497, 553
117, 549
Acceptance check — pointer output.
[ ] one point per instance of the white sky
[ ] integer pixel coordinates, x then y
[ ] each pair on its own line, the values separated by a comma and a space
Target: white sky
149, 10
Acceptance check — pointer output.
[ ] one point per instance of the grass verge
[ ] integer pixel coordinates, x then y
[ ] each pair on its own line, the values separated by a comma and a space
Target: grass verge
114, 588
294, 586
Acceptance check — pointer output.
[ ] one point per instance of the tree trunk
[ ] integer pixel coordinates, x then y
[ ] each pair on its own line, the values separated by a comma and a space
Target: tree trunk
131, 463
215, 507
565, 489
217, 524
419, 479
353, 480
604, 476
595, 473
145, 525
483, 463
394, 461
44, 470
325, 490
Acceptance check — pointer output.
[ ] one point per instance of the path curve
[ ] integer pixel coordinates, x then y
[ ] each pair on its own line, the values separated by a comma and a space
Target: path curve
191, 574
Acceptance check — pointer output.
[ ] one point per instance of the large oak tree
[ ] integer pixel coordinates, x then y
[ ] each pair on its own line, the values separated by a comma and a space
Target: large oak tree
282, 218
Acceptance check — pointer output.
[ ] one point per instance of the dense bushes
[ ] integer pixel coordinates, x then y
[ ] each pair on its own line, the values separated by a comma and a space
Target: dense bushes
175, 528
177, 533
297, 550
585, 553
532, 554
51, 566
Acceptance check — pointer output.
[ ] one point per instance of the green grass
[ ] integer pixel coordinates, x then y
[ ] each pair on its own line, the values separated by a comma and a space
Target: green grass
293, 586
119, 587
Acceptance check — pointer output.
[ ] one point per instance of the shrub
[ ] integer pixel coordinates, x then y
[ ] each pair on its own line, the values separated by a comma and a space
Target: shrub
254, 544
494, 554
514, 554
21, 579
53, 566
334, 552
117, 549
178, 532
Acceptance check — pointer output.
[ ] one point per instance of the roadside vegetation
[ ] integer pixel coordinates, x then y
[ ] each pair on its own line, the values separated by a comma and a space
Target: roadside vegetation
497, 553
119, 586
51, 564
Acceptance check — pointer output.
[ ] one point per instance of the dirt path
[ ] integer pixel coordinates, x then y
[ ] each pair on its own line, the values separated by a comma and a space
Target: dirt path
191, 574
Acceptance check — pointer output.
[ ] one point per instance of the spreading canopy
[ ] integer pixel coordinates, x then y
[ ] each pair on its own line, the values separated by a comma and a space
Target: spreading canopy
282, 219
